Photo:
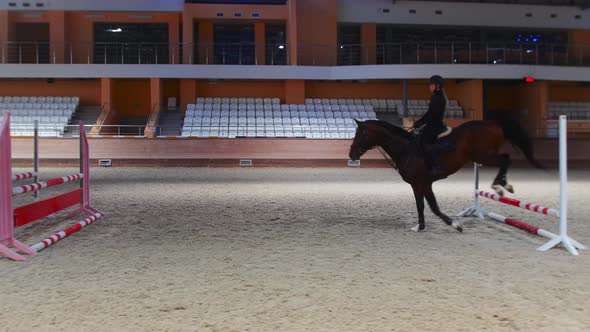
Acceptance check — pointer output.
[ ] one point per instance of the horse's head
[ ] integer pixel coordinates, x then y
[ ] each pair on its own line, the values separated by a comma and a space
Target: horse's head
365, 139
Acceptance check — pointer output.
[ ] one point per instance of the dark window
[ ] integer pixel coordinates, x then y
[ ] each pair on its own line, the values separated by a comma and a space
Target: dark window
429, 44
349, 44
276, 44
131, 43
234, 44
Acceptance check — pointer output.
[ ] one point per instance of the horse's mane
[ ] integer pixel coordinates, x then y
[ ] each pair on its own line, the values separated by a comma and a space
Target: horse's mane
392, 129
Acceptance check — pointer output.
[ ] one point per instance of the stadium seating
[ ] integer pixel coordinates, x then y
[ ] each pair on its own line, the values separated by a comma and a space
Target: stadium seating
52, 113
573, 110
415, 107
266, 117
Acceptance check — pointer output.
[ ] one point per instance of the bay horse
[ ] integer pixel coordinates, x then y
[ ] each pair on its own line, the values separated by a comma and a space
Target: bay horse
476, 141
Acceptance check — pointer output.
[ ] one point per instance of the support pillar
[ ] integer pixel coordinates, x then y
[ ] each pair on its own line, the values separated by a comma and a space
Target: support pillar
260, 42
156, 96
106, 116
188, 38
368, 43
57, 36
405, 99
106, 92
188, 92
206, 42
4, 36
173, 42
295, 92
292, 34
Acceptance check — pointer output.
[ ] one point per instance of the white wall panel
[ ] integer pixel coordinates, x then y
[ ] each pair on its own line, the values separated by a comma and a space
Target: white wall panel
99, 5
461, 14
297, 72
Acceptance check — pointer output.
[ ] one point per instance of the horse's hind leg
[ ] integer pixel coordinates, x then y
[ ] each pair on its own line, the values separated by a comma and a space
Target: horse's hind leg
500, 181
431, 199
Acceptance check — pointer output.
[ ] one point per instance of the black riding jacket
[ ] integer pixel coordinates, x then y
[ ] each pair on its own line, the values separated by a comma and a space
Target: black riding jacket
436, 112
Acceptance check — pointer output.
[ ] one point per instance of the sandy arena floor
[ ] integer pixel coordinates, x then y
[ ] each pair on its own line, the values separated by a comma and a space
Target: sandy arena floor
297, 250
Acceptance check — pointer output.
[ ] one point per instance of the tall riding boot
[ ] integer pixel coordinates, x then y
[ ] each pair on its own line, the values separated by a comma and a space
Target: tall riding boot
432, 161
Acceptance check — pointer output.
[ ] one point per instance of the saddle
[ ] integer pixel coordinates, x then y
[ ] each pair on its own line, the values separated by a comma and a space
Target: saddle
442, 146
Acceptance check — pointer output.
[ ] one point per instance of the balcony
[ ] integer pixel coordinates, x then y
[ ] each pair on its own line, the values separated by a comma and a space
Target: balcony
308, 55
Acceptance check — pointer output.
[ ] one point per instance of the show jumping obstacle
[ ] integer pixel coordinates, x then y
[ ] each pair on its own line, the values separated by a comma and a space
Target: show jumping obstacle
554, 239
23, 215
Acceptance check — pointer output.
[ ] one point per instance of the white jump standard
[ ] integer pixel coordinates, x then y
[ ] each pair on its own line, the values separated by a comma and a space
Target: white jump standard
554, 239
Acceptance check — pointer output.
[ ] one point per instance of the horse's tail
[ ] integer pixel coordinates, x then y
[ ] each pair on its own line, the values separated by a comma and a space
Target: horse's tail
518, 136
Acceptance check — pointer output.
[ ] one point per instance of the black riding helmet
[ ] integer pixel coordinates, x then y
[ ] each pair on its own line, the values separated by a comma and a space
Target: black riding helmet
437, 79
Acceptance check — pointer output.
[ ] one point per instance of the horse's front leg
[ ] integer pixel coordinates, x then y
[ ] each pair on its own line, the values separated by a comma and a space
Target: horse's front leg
431, 199
419, 196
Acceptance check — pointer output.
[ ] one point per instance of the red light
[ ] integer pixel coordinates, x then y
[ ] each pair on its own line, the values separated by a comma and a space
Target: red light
529, 79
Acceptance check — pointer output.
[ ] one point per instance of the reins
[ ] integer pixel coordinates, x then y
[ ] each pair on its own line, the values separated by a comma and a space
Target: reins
389, 160
385, 156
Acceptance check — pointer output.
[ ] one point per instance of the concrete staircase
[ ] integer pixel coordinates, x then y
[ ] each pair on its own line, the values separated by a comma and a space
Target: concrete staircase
138, 123
170, 124
392, 118
87, 114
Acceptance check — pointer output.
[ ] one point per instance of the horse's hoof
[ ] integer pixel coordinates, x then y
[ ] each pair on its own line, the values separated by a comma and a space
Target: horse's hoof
457, 226
509, 188
417, 228
498, 189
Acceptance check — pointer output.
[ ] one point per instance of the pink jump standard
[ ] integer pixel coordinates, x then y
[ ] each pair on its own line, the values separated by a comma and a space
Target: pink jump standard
6, 213
9, 217
554, 239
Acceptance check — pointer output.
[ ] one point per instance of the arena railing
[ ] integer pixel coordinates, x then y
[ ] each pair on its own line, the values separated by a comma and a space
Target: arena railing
465, 53
308, 54
141, 53
51, 130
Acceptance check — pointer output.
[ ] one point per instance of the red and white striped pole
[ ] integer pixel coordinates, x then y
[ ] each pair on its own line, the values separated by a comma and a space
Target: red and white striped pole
45, 184
522, 225
518, 203
23, 176
65, 233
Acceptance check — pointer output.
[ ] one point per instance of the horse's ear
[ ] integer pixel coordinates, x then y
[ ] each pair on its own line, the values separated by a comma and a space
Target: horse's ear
357, 122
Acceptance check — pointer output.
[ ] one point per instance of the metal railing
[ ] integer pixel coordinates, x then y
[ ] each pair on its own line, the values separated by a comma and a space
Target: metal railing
466, 53
60, 131
141, 53
308, 54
